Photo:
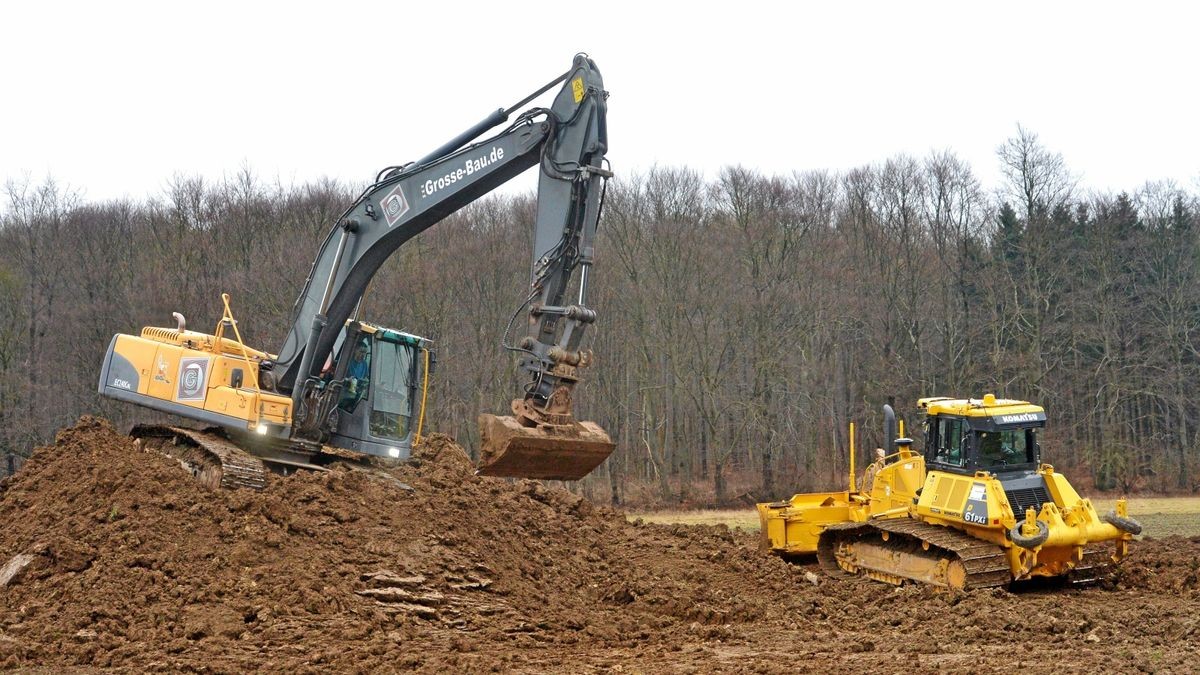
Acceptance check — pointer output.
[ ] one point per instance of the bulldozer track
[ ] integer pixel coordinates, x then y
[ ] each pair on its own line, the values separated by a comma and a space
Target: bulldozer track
984, 564
211, 458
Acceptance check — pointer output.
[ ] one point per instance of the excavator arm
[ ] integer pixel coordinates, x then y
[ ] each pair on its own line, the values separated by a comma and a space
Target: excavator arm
568, 142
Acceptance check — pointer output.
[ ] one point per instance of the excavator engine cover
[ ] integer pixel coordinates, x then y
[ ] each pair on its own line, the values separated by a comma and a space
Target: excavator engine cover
509, 449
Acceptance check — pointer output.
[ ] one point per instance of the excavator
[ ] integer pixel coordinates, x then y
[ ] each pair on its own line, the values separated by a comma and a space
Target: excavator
977, 509
341, 384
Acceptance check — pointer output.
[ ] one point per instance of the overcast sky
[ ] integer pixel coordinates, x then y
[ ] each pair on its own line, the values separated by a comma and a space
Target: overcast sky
113, 98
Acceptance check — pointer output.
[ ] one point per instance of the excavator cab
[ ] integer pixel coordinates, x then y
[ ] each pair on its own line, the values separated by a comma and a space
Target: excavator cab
383, 379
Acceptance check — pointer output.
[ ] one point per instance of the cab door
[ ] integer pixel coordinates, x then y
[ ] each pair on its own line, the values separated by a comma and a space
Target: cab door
395, 388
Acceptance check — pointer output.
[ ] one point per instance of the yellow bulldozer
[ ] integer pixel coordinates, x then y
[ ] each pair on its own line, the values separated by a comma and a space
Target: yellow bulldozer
977, 509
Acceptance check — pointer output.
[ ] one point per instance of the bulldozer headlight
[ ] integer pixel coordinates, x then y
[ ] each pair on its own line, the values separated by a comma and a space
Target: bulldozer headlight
394, 452
262, 428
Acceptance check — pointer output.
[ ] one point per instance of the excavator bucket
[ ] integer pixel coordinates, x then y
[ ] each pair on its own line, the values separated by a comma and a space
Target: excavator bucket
511, 450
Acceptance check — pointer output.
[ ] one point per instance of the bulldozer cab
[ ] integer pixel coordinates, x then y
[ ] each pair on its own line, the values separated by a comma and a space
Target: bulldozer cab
969, 435
383, 376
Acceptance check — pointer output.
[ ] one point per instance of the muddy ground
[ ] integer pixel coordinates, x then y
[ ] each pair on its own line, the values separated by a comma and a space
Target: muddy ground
133, 566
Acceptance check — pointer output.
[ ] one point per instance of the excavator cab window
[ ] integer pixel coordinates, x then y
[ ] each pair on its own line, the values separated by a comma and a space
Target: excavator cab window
358, 375
395, 382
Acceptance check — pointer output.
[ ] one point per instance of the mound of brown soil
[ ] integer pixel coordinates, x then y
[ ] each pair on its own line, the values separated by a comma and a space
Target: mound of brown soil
117, 558
134, 564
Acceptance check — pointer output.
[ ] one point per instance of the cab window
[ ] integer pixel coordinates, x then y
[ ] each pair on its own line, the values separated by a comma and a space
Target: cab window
1000, 448
949, 444
394, 381
357, 382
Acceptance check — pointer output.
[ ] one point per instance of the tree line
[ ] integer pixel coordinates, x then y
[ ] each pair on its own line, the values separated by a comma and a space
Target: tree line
745, 319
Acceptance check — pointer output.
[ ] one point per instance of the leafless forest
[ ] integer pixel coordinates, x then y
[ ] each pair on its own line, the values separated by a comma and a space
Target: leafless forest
744, 320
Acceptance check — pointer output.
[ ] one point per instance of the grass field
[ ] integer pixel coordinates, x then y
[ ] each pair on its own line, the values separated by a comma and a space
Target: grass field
1159, 516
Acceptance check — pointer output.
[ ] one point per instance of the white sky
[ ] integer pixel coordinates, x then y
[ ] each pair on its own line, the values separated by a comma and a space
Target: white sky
113, 98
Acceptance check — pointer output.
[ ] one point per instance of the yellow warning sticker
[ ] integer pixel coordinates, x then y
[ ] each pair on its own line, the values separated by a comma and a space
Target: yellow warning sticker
577, 88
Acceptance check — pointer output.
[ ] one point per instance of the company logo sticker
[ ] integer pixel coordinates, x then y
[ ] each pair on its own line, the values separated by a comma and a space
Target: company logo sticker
395, 205
193, 373
976, 511
161, 376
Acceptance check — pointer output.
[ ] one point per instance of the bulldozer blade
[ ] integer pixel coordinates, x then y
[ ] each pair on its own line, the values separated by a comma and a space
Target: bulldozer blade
511, 450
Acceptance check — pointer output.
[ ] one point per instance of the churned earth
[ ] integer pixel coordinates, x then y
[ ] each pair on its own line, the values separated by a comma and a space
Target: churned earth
114, 558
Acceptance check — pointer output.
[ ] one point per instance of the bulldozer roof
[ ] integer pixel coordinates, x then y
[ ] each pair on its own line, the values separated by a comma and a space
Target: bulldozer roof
988, 406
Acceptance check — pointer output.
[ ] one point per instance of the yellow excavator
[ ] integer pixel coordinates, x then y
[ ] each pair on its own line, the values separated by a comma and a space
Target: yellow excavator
978, 508
340, 382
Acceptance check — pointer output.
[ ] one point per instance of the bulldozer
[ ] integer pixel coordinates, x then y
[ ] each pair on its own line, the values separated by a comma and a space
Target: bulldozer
977, 508
341, 384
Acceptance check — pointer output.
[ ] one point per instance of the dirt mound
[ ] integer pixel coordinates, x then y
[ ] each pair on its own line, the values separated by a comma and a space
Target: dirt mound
116, 558
134, 564
1169, 565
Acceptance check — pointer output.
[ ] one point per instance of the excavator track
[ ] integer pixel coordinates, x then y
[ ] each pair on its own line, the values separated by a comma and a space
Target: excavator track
903, 549
211, 458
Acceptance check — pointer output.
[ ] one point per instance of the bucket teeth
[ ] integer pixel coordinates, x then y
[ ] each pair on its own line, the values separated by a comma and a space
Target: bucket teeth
508, 449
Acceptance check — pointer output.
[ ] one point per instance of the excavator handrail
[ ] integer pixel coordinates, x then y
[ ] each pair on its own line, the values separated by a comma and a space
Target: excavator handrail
424, 396
219, 334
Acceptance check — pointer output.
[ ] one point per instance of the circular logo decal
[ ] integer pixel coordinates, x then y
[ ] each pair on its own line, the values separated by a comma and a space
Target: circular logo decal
193, 379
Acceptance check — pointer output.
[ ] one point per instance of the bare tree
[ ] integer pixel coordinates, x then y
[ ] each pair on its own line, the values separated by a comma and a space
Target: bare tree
1036, 178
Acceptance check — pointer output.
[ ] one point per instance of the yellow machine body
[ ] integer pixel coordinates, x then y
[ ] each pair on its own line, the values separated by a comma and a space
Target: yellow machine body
944, 519
219, 381
979, 506
794, 526
196, 375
